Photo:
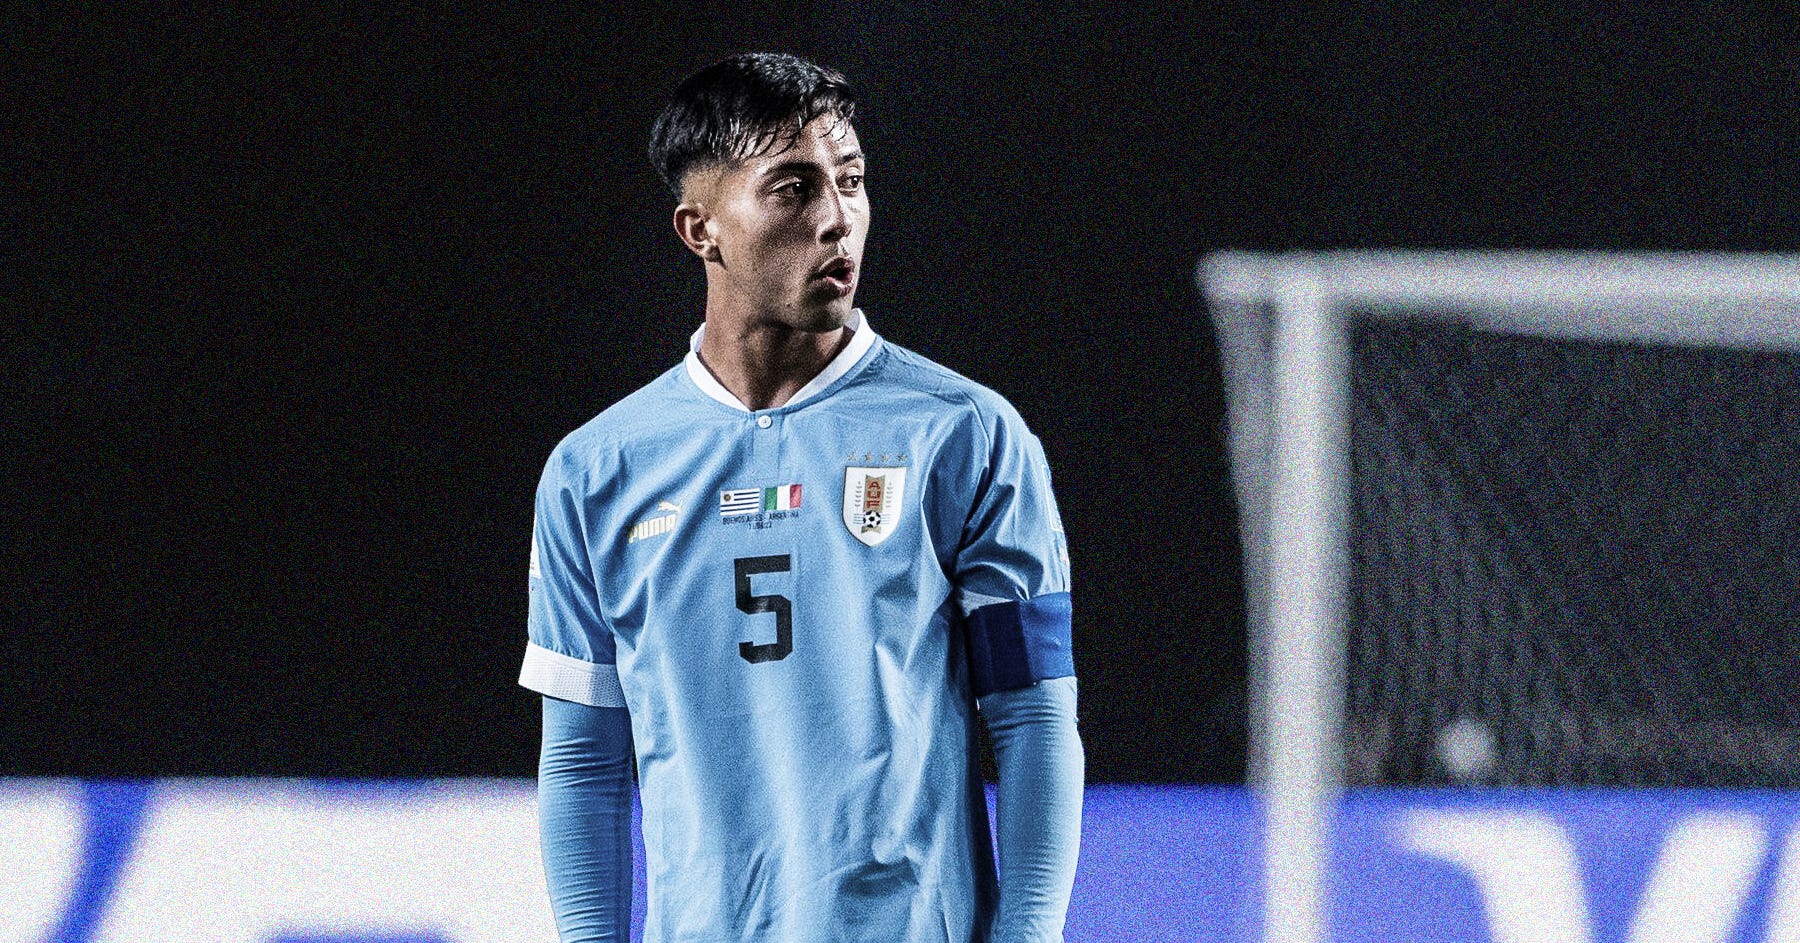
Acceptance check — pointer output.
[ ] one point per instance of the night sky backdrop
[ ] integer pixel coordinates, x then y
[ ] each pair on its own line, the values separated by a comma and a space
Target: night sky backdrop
296, 308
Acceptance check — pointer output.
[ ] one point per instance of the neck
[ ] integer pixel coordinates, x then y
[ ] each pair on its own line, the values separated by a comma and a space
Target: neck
765, 364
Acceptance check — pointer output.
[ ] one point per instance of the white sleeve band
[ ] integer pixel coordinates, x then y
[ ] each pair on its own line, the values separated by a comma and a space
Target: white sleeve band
571, 679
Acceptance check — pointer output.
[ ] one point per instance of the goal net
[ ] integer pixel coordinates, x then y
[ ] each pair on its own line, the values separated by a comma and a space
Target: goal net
1515, 519
1571, 562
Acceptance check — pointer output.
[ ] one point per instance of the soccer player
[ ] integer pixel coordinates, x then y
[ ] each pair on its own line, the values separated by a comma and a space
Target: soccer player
784, 575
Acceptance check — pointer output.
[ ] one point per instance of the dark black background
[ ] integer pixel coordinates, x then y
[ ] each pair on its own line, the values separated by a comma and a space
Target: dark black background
294, 310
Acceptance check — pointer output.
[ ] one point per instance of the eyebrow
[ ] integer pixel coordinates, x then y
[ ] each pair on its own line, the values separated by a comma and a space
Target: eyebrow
794, 166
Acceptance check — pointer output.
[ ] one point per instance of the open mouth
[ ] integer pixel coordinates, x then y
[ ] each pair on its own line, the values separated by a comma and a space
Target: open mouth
839, 274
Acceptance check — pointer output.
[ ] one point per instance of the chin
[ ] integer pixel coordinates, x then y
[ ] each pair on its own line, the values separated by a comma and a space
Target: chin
828, 318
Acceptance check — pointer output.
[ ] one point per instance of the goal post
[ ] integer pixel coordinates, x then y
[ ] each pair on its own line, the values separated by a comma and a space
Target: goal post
1291, 328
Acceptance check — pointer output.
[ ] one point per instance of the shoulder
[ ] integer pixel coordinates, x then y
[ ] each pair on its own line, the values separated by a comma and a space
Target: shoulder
596, 446
951, 391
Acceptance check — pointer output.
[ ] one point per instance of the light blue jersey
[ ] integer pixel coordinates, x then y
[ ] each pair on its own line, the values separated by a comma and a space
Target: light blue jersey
798, 607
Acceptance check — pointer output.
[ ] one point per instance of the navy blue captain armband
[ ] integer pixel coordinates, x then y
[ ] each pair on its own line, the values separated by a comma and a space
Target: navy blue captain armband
1017, 644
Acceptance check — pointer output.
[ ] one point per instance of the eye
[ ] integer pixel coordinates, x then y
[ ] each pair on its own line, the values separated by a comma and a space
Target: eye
793, 189
851, 182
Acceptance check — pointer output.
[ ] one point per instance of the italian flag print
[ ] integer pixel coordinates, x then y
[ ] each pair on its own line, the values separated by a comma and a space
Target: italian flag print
781, 498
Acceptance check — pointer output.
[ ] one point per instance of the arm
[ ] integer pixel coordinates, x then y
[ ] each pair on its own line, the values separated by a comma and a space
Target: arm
1013, 581
1039, 755
584, 769
584, 818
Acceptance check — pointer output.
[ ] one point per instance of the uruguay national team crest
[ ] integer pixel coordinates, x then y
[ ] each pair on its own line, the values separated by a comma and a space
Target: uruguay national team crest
872, 502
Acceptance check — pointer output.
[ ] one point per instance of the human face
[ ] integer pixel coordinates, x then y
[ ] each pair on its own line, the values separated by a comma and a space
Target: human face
788, 229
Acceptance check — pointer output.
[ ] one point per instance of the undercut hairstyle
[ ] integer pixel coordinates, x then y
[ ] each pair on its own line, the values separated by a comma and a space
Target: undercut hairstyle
742, 107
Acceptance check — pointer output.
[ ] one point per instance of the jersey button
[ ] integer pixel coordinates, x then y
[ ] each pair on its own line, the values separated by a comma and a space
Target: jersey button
764, 422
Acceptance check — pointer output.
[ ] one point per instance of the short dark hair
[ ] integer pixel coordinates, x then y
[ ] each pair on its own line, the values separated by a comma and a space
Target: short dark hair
740, 107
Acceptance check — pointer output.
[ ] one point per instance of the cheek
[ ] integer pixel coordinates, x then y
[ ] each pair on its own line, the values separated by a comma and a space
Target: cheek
755, 248
778, 247
782, 248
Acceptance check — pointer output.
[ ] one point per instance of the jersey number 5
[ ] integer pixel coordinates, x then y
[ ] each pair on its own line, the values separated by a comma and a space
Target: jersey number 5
755, 605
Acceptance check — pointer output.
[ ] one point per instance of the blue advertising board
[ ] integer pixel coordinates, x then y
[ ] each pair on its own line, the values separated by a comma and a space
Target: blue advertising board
1576, 866
456, 861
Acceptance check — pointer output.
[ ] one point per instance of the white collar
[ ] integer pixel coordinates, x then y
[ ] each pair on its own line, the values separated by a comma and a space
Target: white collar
862, 337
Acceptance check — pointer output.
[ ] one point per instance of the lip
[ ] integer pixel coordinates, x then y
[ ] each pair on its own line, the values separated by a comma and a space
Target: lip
838, 266
838, 273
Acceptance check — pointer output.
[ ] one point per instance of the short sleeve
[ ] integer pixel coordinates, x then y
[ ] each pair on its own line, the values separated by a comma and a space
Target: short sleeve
570, 653
1012, 568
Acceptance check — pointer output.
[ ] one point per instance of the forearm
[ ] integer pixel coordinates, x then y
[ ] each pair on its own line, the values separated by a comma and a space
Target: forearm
584, 816
1038, 751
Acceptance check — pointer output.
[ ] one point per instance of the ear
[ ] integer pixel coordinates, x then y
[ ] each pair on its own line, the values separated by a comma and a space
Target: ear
694, 224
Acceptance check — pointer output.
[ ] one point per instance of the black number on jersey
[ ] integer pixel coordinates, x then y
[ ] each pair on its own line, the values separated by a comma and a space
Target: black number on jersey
756, 605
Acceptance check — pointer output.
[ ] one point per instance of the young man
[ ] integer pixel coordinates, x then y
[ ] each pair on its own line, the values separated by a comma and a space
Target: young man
786, 572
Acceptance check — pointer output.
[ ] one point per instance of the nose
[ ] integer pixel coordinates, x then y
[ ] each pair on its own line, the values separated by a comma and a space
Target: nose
837, 217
